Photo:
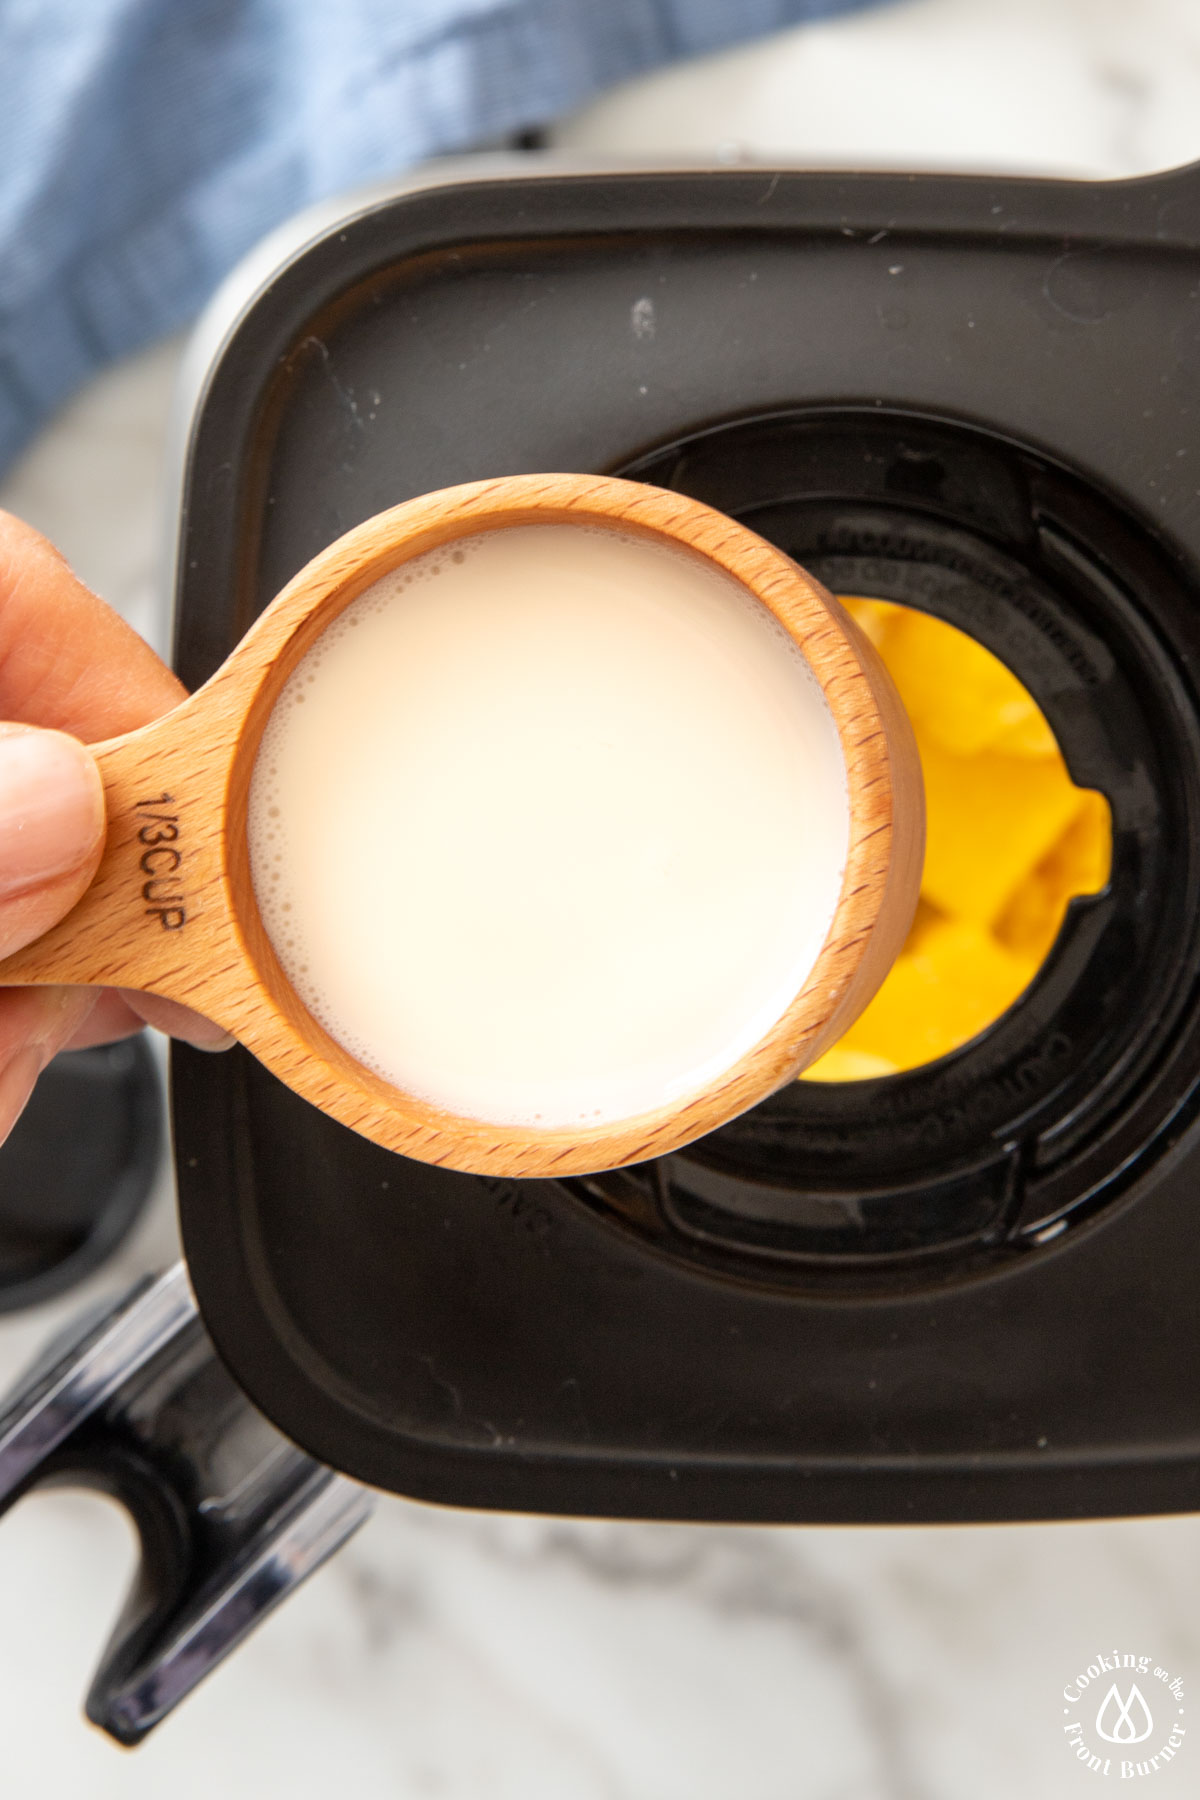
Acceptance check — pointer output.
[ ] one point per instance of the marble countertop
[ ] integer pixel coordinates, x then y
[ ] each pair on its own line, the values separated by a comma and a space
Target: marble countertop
471, 1656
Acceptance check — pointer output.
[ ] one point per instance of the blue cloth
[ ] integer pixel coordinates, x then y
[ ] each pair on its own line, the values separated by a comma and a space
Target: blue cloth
145, 145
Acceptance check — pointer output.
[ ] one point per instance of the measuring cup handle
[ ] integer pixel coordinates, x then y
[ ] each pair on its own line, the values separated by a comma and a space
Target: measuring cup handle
156, 915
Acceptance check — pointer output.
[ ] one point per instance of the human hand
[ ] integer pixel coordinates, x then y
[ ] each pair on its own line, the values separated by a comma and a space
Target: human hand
71, 672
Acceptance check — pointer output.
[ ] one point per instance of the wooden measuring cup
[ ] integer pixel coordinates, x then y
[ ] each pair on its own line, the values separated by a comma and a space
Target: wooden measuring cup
172, 911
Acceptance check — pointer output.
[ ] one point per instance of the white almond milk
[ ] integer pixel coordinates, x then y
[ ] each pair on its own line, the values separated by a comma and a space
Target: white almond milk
549, 827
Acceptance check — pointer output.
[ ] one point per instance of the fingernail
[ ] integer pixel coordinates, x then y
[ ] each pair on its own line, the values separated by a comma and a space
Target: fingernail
179, 1021
51, 806
16, 1085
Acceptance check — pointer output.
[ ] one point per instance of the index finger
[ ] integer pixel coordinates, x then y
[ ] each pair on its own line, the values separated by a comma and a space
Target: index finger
66, 659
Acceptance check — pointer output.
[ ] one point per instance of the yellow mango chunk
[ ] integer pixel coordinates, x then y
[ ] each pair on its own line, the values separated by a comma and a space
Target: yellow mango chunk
990, 819
873, 617
1010, 840
840, 1064
1028, 737
925, 918
959, 695
1033, 917
1079, 863
939, 996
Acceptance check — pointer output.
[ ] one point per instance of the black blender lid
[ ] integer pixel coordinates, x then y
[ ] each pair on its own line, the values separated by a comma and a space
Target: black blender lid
77, 1168
960, 1293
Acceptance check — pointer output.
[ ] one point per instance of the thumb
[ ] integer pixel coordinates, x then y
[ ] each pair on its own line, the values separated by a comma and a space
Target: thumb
51, 830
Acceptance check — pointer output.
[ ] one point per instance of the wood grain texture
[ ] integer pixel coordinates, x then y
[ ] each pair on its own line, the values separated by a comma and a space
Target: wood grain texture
171, 910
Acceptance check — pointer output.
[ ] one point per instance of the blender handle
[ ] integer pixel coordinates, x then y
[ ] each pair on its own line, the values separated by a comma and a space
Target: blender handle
230, 1515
